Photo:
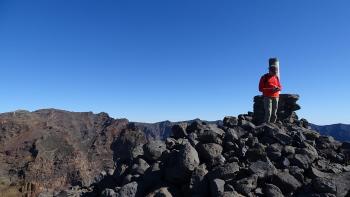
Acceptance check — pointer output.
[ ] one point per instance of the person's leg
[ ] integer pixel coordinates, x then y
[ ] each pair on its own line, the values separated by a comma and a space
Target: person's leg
274, 109
267, 108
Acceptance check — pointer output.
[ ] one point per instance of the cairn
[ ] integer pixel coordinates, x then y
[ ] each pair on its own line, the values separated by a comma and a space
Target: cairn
286, 108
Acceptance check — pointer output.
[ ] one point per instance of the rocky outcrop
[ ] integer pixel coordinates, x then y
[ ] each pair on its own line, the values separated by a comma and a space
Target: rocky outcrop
238, 158
48, 150
59, 153
286, 108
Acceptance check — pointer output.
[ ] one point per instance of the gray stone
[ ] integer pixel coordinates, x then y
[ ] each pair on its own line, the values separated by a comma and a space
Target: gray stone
209, 151
180, 164
108, 193
217, 187
230, 121
324, 185
262, 169
128, 190
179, 130
301, 160
271, 190
246, 185
199, 184
161, 192
140, 166
286, 182
153, 150
209, 136
226, 171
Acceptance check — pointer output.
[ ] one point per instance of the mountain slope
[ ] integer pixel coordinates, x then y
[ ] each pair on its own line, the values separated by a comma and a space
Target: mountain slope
340, 132
53, 149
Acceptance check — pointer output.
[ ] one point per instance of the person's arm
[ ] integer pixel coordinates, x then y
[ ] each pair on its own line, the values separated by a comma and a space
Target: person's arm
261, 84
279, 84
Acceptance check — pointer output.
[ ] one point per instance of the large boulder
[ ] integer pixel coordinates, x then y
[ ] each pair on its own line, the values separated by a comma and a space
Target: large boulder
286, 182
199, 185
225, 172
209, 151
246, 185
324, 185
153, 150
180, 164
271, 190
217, 187
262, 169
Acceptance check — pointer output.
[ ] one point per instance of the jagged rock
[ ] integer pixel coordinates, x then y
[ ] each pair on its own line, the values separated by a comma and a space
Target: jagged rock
127, 142
231, 135
324, 185
128, 190
286, 182
246, 185
315, 173
199, 183
297, 172
271, 190
179, 130
342, 181
217, 187
225, 172
140, 166
161, 192
179, 165
288, 150
230, 121
170, 143
302, 161
193, 139
152, 177
209, 136
196, 125
209, 151
137, 152
215, 128
274, 151
256, 153
247, 125
108, 193
153, 150
280, 136
231, 194
262, 169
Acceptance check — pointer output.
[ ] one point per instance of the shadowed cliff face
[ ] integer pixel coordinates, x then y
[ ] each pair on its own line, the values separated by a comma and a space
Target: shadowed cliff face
53, 148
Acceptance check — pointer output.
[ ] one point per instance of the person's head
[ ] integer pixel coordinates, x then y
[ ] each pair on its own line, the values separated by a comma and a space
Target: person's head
273, 70
273, 66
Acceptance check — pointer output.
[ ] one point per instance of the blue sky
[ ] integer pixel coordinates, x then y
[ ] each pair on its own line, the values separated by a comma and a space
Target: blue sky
173, 60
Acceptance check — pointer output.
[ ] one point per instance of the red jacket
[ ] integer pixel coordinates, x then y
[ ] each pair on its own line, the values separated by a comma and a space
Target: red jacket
267, 84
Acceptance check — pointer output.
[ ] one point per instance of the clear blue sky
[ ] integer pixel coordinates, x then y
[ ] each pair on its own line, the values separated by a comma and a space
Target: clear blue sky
173, 60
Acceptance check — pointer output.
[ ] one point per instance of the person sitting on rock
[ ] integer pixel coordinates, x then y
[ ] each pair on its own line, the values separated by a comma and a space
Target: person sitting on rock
270, 86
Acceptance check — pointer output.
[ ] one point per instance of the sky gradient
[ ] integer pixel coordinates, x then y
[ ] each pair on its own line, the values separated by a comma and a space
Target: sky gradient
172, 60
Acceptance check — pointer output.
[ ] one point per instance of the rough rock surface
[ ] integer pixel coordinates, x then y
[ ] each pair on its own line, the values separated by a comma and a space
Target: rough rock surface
237, 158
240, 158
51, 149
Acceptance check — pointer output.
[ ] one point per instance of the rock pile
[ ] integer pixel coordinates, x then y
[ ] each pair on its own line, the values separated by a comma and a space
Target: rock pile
238, 158
286, 108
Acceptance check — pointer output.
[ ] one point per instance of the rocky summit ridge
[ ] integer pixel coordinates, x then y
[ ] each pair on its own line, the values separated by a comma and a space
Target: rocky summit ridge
240, 156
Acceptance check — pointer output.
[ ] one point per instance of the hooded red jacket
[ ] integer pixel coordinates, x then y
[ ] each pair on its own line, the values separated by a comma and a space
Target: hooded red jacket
267, 84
